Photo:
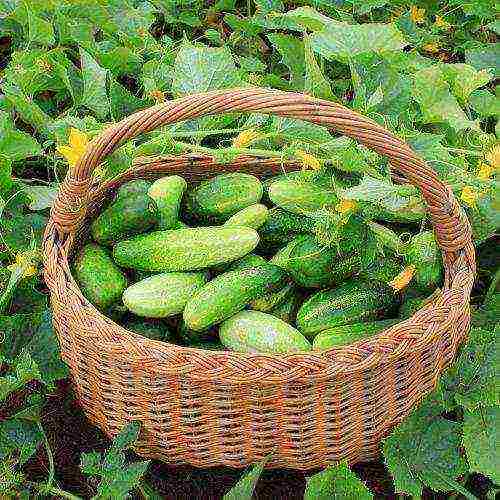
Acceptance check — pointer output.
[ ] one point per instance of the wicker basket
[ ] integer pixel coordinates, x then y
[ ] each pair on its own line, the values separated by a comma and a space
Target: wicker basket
211, 408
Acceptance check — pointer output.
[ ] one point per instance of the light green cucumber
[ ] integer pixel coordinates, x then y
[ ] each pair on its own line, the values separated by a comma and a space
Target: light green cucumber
255, 331
185, 249
229, 293
354, 301
253, 216
130, 188
272, 299
348, 334
217, 199
301, 197
167, 193
162, 295
250, 260
100, 280
423, 252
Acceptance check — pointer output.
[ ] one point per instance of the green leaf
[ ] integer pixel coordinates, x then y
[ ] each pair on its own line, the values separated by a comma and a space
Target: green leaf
23, 370
485, 103
157, 74
94, 86
266, 6
21, 437
198, 68
41, 197
342, 42
291, 50
122, 102
121, 61
424, 450
437, 104
308, 18
481, 441
45, 351
127, 437
244, 488
336, 482
315, 82
40, 31
486, 57
464, 79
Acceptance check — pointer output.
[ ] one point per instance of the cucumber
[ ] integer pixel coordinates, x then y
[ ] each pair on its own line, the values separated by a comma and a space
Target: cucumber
348, 334
185, 249
253, 216
167, 193
217, 199
287, 310
354, 301
382, 269
229, 293
130, 188
250, 260
271, 300
301, 197
101, 282
162, 295
312, 265
282, 226
254, 331
154, 330
127, 216
423, 252
410, 306
189, 336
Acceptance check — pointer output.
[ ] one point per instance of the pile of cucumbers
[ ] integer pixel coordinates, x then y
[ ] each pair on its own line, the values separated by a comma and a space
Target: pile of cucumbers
242, 264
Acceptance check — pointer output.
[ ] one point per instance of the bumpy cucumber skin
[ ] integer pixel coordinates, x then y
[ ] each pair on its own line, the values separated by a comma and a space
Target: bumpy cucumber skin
282, 226
254, 331
354, 301
130, 188
250, 260
185, 249
125, 217
253, 216
424, 254
229, 293
162, 295
348, 334
151, 329
167, 193
301, 197
217, 199
312, 265
271, 300
100, 280
382, 269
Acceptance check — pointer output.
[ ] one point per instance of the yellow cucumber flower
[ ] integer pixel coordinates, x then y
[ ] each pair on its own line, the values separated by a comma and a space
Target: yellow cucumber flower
485, 172
431, 47
403, 278
245, 138
25, 263
493, 157
417, 15
345, 206
157, 95
441, 23
469, 196
308, 160
77, 143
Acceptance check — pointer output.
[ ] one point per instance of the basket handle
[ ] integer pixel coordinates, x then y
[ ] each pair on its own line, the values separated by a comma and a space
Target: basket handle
451, 226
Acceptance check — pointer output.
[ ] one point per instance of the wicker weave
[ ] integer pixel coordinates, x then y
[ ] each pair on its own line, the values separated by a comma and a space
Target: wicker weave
210, 408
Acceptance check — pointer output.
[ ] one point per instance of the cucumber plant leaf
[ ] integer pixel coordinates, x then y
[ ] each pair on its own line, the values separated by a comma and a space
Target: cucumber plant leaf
244, 488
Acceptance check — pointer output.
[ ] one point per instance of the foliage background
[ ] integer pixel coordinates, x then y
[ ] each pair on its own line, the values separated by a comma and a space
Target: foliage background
427, 71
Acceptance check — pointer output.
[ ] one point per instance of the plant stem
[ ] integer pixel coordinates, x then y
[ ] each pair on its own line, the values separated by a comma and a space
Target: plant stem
263, 153
50, 457
15, 277
202, 133
466, 151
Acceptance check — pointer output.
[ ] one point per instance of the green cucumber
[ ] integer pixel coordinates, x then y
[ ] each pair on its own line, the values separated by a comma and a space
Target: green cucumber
253, 216
101, 282
130, 188
271, 300
217, 199
154, 330
301, 197
287, 310
282, 226
167, 193
250, 260
423, 252
229, 293
312, 265
188, 336
255, 331
185, 249
162, 295
382, 269
348, 334
354, 301
127, 216
410, 306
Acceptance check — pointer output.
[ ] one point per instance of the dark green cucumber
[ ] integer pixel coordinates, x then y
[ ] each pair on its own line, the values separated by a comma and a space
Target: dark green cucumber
154, 330
382, 269
127, 216
100, 280
287, 310
271, 300
312, 265
254, 331
348, 334
250, 260
167, 193
163, 294
229, 293
185, 249
423, 252
217, 199
354, 301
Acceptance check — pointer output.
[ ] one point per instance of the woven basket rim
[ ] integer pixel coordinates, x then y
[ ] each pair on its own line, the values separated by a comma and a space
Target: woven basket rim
398, 340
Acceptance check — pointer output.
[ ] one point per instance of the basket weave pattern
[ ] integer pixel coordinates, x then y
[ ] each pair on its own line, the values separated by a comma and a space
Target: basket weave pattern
211, 408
